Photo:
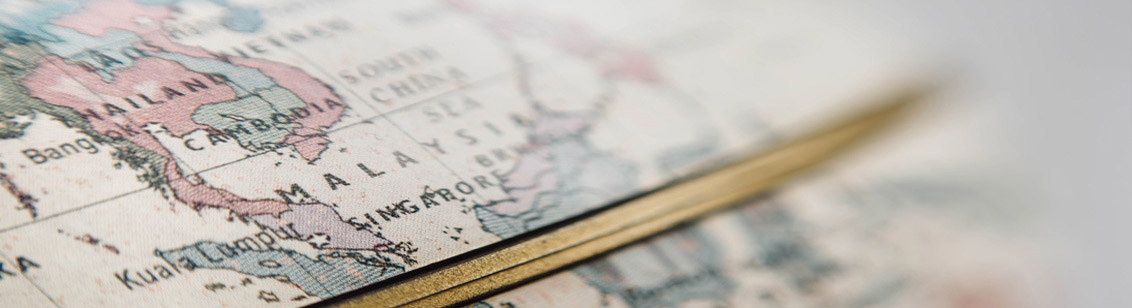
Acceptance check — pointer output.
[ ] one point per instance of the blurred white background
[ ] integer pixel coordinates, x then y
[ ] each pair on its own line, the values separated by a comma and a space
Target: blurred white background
1054, 79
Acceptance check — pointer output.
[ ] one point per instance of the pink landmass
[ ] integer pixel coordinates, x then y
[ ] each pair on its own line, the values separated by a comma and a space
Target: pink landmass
201, 195
309, 140
315, 219
100, 16
52, 82
310, 147
633, 64
123, 14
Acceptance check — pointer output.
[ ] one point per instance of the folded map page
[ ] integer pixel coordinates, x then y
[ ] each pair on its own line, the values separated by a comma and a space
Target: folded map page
920, 220
240, 153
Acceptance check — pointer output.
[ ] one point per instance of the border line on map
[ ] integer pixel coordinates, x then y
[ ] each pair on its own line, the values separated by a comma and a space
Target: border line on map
508, 264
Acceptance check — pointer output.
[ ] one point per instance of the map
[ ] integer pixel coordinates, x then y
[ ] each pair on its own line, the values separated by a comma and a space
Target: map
277, 153
887, 230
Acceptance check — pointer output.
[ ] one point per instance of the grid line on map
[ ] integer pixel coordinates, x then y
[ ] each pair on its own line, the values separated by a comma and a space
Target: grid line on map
29, 280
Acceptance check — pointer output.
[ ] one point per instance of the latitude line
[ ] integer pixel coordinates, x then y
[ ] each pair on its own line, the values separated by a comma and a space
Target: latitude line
74, 209
30, 281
